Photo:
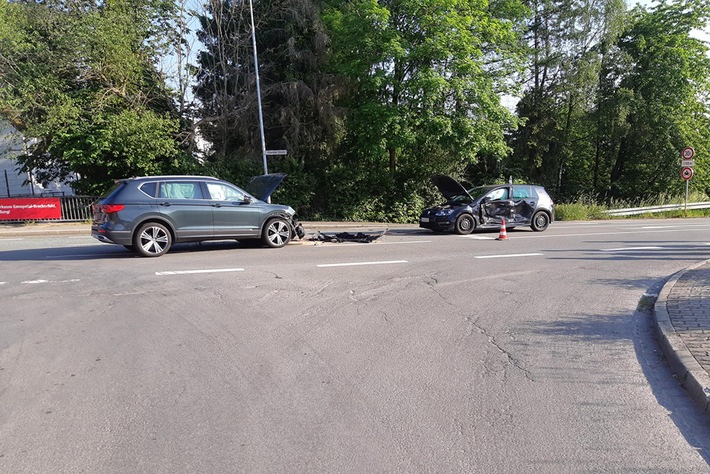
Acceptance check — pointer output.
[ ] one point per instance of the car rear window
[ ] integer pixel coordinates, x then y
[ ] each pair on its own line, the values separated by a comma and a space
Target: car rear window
115, 189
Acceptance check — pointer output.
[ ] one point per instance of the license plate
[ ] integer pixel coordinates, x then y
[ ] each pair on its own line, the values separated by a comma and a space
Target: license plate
424, 219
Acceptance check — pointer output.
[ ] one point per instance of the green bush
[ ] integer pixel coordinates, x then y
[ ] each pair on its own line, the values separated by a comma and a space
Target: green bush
579, 211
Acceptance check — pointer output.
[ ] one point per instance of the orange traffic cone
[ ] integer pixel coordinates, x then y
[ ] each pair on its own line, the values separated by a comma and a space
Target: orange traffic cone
503, 235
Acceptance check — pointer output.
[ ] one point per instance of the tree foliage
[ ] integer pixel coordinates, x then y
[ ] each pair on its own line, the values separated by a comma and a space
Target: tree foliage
424, 82
78, 80
613, 97
369, 97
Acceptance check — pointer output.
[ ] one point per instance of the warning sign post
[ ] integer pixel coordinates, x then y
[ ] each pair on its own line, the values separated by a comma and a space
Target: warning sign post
686, 172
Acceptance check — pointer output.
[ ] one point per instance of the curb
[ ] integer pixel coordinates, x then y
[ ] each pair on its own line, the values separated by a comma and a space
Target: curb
689, 372
85, 228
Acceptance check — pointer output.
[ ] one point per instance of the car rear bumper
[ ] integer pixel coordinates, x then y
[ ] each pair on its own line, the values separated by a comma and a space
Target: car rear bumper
111, 236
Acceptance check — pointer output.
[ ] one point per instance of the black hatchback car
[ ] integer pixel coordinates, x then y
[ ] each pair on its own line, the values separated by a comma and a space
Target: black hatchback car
486, 207
150, 214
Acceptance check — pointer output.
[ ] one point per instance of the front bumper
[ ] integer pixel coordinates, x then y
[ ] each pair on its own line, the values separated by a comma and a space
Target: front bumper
436, 223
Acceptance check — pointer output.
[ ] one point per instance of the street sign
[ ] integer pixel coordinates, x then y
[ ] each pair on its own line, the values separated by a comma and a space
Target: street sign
276, 152
686, 173
687, 163
688, 153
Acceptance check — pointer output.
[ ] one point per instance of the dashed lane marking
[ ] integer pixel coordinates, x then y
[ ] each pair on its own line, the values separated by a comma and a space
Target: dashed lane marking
35, 282
353, 264
510, 255
191, 272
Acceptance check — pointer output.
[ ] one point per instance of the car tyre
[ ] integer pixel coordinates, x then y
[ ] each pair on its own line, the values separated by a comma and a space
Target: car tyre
152, 240
277, 233
465, 224
540, 221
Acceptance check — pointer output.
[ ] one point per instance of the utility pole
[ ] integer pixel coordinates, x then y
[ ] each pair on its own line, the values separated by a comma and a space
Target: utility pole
258, 88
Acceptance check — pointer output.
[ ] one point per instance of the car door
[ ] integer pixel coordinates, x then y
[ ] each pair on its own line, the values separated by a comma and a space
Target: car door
183, 203
235, 213
497, 205
524, 203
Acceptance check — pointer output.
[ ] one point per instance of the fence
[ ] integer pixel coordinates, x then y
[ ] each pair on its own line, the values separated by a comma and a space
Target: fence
77, 208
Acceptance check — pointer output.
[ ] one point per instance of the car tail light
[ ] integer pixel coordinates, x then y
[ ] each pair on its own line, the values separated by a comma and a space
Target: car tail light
111, 208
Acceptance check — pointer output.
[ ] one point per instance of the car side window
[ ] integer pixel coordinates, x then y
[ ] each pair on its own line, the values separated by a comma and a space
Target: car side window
222, 192
498, 194
521, 192
149, 188
180, 190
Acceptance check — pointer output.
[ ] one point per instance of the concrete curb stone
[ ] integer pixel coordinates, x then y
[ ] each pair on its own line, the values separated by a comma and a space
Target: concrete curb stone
691, 375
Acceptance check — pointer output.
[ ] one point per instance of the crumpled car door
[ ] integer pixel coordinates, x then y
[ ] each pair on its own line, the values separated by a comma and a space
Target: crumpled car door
499, 207
524, 203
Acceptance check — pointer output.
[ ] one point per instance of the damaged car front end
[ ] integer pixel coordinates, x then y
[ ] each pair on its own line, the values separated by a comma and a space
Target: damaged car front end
487, 207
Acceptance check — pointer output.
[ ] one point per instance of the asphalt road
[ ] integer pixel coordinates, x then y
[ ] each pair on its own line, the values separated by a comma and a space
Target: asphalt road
416, 353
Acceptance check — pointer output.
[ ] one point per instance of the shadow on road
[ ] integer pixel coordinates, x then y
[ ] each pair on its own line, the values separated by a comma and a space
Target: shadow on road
111, 252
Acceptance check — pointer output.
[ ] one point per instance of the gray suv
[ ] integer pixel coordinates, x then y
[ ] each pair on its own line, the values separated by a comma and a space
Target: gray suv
150, 214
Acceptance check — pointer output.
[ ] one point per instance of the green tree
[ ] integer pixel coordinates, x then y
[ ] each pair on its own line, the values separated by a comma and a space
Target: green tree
424, 83
297, 94
662, 98
79, 81
568, 42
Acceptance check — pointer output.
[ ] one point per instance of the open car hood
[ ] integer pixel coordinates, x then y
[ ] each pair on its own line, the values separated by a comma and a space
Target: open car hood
449, 186
263, 186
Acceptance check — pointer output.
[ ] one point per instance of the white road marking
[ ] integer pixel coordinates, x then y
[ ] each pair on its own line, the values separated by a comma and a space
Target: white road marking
623, 249
34, 282
592, 234
190, 272
10, 240
325, 265
510, 255
478, 237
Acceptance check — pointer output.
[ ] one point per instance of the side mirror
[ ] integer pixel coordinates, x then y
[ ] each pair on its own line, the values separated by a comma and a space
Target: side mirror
247, 199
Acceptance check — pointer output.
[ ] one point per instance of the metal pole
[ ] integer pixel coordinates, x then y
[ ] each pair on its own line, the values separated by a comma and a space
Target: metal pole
258, 88
686, 195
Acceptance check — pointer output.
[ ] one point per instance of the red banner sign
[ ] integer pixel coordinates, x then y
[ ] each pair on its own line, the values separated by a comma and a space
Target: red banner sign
15, 209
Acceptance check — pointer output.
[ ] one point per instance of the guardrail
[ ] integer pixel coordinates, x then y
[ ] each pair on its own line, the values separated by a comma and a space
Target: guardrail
632, 211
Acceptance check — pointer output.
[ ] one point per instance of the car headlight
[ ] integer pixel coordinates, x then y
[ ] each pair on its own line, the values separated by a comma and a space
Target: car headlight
444, 212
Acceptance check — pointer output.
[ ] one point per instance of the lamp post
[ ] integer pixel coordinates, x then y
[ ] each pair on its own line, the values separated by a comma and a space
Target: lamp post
258, 88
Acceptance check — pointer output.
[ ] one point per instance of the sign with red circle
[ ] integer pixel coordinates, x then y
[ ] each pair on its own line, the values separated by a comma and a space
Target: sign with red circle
686, 173
688, 153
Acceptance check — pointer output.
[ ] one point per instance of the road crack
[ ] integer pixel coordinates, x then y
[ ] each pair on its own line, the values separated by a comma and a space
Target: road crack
492, 341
